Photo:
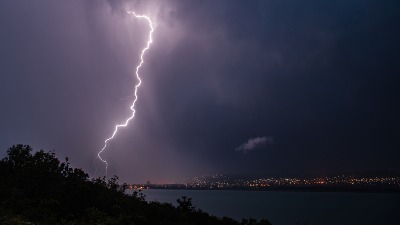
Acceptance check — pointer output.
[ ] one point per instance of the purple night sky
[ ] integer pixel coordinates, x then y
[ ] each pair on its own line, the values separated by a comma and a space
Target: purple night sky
261, 87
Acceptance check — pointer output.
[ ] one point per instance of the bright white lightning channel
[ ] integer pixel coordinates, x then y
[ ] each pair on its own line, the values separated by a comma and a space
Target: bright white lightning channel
150, 40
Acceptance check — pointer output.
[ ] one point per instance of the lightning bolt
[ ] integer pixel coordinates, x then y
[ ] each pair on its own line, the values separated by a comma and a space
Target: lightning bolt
150, 40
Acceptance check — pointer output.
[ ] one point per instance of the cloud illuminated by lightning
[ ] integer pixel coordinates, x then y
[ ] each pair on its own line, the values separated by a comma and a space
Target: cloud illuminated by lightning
150, 40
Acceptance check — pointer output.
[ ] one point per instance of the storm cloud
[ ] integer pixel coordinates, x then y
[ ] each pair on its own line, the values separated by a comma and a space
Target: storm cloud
319, 76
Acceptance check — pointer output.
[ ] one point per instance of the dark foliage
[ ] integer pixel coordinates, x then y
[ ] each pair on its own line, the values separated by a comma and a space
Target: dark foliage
36, 188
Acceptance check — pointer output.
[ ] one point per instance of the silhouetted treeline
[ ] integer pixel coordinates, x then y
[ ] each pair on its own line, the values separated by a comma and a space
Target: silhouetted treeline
36, 188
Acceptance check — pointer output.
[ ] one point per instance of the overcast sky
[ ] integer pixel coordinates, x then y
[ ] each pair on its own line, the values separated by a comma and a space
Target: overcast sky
264, 87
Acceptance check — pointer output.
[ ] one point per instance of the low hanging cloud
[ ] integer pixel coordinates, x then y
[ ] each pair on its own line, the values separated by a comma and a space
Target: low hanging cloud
254, 143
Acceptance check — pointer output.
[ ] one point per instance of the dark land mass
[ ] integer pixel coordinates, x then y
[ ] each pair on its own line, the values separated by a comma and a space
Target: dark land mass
36, 188
288, 188
381, 181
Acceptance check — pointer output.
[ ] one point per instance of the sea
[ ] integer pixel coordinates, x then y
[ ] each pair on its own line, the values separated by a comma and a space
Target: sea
291, 208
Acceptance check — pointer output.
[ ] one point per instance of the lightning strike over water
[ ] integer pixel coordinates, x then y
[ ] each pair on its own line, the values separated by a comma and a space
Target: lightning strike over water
150, 40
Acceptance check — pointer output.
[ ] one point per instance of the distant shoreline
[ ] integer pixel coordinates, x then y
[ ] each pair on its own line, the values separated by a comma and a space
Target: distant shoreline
284, 189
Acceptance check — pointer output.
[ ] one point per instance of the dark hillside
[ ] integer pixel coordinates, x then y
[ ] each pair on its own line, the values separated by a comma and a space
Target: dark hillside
36, 188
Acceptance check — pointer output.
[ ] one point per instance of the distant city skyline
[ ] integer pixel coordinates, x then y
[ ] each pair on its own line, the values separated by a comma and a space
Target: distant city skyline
351, 182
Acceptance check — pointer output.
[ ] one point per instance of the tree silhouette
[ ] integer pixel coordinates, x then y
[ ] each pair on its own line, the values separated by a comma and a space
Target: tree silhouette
185, 204
36, 188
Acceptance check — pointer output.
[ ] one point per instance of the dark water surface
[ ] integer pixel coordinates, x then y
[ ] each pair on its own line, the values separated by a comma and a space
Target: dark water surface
290, 208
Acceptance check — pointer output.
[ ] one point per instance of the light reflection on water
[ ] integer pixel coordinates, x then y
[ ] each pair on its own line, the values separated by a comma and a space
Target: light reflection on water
289, 208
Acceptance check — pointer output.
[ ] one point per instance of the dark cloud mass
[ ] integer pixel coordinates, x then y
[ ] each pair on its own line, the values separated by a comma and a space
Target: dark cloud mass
320, 77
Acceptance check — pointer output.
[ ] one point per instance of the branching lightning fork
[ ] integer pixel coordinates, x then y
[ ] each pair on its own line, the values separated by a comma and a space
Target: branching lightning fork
150, 40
